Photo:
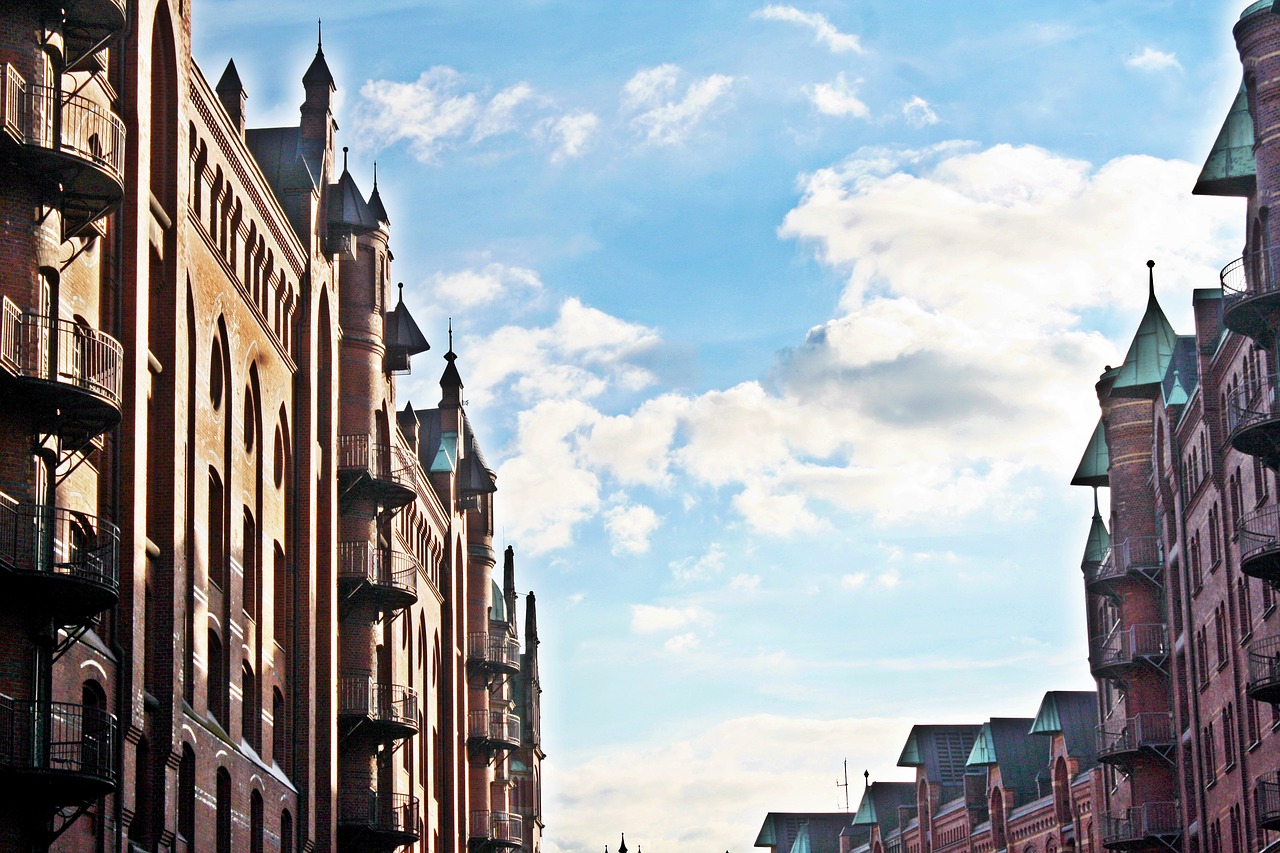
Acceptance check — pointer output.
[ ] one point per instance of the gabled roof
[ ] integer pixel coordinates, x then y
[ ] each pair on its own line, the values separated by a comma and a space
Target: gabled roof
1148, 357
880, 803
347, 207
821, 831
401, 330
1093, 467
1074, 715
1182, 376
1230, 168
1006, 742
940, 750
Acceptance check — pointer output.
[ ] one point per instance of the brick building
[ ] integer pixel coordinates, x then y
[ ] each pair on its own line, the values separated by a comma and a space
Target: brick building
249, 603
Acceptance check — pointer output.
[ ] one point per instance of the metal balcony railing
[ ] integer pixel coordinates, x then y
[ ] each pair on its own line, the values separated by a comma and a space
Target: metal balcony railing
42, 117
1131, 645
1137, 554
362, 696
1259, 533
36, 347
1266, 797
78, 740
1136, 823
1151, 730
1264, 669
385, 462
495, 727
1255, 273
53, 540
392, 814
504, 828
1251, 406
378, 566
494, 649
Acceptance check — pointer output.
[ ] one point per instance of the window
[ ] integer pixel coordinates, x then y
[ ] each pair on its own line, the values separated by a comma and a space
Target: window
217, 679
187, 797
252, 581
250, 713
256, 829
286, 832
222, 805
279, 728
217, 533
1228, 736
216, 379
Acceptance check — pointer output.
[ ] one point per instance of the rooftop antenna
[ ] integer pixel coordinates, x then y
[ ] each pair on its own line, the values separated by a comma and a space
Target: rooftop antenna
845, 785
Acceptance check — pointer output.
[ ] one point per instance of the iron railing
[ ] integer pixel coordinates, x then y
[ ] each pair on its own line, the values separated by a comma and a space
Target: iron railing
1255, 273
378, 566
362, 696
1264, 664
1129, 645
1149, 820
498, 827
42, 117
1150, 730
1251, 406
58, 737
494, 726
1266, 797
359, 453
494, 648
1135, 554
379, 812
41, 539
1259, 532
36, 347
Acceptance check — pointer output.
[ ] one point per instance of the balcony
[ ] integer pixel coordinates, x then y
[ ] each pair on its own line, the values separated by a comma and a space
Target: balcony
87, 27
1125, 652
1267, 798
373, 820
1142, 734
381, 473
73, 141
58, 752
1253, 421
387, 712
57, 561
1251, 294
493, 653
1264, 670
495, 829
493, 730
67, 375
1135, 557
384, 578
1141, 826
1259, 538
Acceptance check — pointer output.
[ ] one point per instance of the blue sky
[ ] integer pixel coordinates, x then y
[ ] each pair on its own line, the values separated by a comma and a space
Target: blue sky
780, 324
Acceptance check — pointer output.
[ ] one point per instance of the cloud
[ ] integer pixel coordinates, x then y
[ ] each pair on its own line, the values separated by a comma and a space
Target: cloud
824, 32
659, 117
918, 113
577, 597
745, 582
732, 772
569, 134
857, 580
1154, 60
837, 98
498, 115
649, 619
681, 643
471, 288
630, 527
699, 568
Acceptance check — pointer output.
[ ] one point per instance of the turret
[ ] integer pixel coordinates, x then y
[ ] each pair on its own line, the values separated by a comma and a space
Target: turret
450, 380
317, 109
509, 582
232, 95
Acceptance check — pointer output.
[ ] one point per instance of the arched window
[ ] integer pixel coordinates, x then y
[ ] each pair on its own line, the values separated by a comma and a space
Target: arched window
250, 711
279, 728
222, 804
997, 819
187, 797
217, 530
217, 679
286, 832
256, 828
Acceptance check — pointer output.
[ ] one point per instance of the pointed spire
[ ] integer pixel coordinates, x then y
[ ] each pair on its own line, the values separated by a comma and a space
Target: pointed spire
1177, 395
622, 848
509, 582
231, 94
451, 380
319, 72
1096, 461
1095, 549
530, 622
1148, 357
375, 200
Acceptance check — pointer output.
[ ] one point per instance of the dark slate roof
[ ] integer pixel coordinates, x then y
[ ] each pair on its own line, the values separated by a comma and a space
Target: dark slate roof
1230, 168
780, 830
318, 71
942, 751
347, 208
1074, 714
402, 330
880, 804
1096, 462
230, 80
292, 166
1007, 743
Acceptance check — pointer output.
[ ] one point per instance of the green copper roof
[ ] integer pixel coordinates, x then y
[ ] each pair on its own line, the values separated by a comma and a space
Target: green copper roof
866, 814
801, 844
768, 836
1092, 470
1148, 357
984, 749
1048, 720
1099, 541
911, 756
1230, 169
1177, 394
447, 456
499, 611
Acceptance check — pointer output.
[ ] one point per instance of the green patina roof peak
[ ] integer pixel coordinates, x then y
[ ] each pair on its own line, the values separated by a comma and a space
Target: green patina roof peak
1095, 549
1093, 467
984, 749
866, 814
1148, 357
1177, 394
1230, 169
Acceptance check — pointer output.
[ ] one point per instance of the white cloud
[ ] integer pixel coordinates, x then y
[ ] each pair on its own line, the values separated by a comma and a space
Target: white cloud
731, 771
1154, 60
499, 114
577, 597
681, 643
470, 288
918, 113
699, 568
426, 113
659, 117
630, 528
838, 98
745, 582
857, 580
824, 32
649, 619
569, 134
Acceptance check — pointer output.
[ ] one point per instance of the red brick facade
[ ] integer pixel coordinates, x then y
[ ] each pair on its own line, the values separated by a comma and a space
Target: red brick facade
248, 603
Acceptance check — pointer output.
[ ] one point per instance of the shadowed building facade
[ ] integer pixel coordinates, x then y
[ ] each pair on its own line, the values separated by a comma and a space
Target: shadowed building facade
249, 598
